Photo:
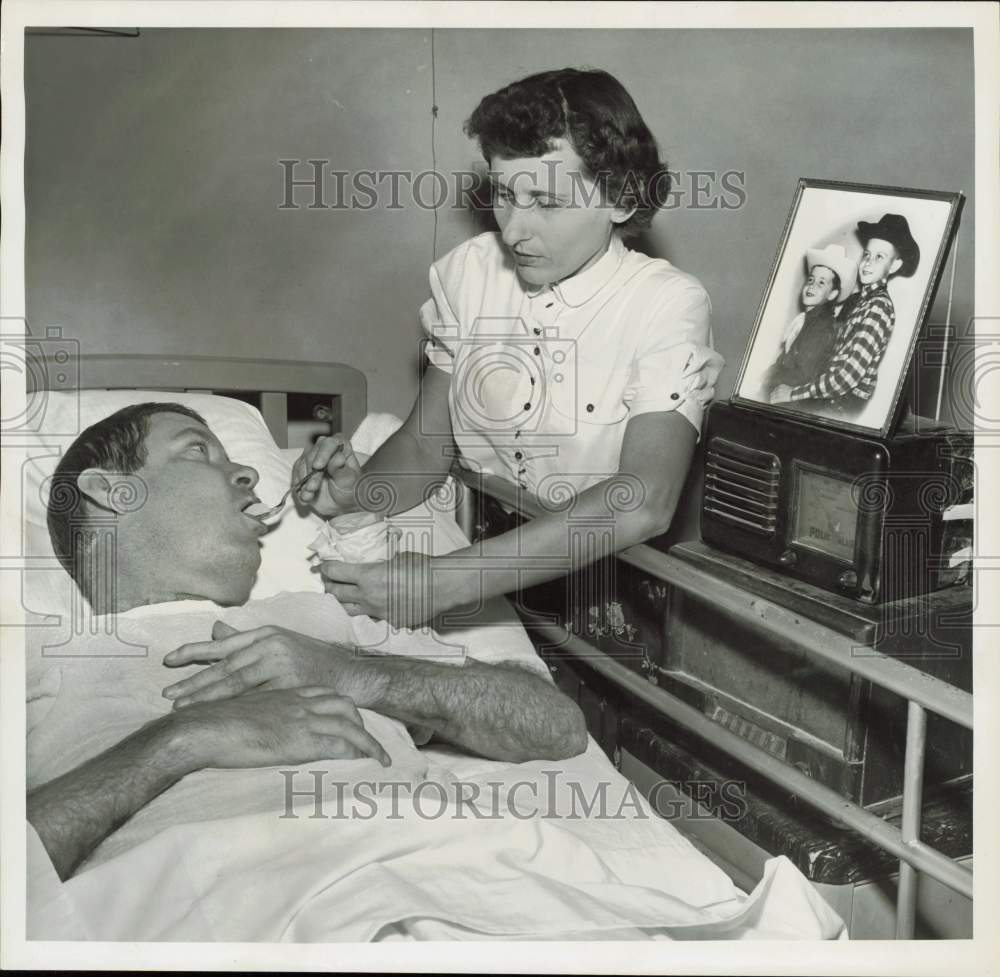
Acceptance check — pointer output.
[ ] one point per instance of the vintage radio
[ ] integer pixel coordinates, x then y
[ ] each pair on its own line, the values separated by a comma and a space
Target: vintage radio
854, 514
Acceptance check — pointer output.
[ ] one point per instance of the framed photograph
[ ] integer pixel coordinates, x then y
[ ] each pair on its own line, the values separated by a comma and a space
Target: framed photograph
849, 291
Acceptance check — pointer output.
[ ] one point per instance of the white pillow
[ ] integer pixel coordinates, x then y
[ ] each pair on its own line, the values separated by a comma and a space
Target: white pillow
285, 564
244, 435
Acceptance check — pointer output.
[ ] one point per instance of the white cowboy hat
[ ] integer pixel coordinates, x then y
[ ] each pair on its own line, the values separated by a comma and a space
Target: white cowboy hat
834, 257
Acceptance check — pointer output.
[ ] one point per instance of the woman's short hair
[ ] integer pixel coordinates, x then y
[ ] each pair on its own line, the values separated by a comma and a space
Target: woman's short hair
116, 443
593, 111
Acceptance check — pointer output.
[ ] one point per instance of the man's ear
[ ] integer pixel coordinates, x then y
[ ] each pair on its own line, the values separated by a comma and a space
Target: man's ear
897, 263
95, 486
834, 295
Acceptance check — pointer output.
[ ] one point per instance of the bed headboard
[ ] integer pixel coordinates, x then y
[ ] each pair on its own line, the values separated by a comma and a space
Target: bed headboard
344, 387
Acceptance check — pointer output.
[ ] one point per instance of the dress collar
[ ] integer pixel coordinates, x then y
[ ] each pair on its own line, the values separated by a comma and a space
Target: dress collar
582, 287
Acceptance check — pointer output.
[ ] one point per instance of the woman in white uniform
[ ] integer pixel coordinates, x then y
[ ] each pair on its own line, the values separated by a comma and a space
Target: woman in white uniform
560, 360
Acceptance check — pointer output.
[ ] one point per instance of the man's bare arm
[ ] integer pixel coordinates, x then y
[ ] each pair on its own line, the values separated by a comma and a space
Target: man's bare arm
75, 812
502, 711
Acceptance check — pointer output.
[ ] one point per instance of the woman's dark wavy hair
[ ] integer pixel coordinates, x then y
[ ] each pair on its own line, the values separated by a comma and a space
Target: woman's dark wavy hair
117, 443
594, 112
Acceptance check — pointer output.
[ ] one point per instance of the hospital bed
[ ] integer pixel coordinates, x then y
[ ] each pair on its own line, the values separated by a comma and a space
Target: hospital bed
344, 390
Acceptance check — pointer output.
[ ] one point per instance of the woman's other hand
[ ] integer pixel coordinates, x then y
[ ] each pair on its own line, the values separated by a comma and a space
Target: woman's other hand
336, 473
401, 591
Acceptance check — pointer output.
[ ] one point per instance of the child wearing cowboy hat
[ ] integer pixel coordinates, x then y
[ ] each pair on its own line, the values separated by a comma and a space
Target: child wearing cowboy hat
809, 341
866, 319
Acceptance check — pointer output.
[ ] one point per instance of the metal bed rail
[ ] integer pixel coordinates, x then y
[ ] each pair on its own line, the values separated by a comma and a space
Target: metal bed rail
924, 693
57, 364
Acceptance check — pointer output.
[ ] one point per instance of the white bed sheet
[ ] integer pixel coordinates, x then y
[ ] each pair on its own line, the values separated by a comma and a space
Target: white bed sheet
212, 858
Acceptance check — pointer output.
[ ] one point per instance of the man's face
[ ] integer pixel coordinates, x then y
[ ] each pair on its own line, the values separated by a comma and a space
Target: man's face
820, 286
551, 216
190, 537
878, 260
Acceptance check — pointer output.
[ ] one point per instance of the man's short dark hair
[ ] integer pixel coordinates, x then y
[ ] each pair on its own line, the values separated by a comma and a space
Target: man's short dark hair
593, 111
117, 443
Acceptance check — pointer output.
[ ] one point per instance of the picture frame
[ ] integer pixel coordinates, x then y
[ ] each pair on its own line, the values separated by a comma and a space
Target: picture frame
839, 355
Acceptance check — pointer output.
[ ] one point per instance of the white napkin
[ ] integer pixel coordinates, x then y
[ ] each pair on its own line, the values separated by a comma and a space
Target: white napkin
357, 537
364, 537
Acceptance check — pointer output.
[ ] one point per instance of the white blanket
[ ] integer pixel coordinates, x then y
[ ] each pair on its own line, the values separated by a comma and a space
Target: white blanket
401, 852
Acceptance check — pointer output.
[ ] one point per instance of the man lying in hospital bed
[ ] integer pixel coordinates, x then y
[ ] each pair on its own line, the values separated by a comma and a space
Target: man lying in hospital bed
286, 814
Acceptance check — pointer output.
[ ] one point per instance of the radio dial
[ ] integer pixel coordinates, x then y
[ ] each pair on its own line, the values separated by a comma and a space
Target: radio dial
848, 580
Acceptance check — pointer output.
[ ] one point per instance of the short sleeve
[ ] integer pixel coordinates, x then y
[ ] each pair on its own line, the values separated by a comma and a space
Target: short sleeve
679, 334
440, 325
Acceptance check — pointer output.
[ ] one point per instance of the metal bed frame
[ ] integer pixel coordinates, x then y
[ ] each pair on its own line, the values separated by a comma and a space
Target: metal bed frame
923, 692
345, 386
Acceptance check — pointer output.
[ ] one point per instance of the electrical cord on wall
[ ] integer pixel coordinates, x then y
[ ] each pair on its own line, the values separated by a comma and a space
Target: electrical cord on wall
82, 31
434, 115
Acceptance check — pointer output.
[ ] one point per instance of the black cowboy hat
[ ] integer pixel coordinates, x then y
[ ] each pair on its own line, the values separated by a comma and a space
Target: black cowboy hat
894, 229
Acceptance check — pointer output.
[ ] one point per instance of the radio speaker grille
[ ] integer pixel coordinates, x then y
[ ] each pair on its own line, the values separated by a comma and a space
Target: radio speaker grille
741, 486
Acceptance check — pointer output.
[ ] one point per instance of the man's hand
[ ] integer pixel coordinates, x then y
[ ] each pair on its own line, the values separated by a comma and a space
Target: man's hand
263, 729
336, 473
405, 591
503, 712
781, 394
262, 659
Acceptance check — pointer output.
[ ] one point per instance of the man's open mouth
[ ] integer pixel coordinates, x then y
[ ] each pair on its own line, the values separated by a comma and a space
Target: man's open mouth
254, 510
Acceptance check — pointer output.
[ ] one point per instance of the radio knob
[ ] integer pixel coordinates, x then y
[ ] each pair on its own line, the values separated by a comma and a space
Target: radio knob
848, 580
789, 558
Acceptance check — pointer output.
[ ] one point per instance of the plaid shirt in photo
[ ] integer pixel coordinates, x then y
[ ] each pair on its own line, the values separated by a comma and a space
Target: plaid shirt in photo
863, 337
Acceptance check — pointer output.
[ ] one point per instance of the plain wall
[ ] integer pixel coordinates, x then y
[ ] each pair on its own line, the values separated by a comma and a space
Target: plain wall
153, 187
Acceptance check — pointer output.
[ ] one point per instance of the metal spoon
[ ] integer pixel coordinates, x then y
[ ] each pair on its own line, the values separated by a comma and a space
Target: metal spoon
270, 512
